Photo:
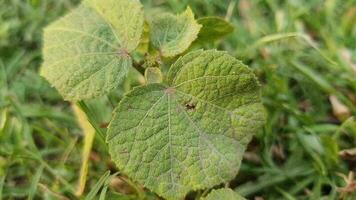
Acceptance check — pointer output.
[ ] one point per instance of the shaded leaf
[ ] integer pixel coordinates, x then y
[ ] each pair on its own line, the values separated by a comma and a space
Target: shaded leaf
213, 28
191, 132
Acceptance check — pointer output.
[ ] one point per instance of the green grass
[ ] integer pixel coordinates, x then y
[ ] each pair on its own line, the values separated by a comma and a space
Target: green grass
298, 49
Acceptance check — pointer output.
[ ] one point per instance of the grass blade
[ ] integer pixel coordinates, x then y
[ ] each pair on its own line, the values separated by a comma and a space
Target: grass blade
92, 194
89, 134
34, 183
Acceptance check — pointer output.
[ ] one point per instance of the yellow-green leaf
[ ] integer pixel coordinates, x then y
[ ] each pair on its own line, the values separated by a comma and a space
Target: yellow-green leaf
126, 19
86, 53
172, 34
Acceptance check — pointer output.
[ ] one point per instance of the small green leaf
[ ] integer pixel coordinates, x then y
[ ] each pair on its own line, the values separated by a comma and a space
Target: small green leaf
145, 40
153, 75
171, 34
213, 28
191, 132
223, 194
86, 53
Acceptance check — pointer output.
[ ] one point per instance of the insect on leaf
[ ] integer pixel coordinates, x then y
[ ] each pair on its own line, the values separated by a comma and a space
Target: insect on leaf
86, 53
223, 194
172, 34
191, 132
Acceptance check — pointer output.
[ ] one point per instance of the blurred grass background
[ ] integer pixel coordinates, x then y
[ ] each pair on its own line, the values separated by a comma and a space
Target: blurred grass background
303, 51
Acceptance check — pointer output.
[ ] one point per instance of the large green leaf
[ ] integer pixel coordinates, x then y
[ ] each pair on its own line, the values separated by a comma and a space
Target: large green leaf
86, 53
171, 34
223, 194
191, 132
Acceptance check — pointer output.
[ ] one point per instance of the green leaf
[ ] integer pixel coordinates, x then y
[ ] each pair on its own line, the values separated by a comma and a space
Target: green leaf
191, 132
126, 19
213, 28
86, 53
223, 194
145, 40
153, 75
171, 34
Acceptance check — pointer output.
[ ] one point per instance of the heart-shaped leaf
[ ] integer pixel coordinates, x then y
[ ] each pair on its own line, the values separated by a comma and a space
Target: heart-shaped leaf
191, 132
171, 34
86, 53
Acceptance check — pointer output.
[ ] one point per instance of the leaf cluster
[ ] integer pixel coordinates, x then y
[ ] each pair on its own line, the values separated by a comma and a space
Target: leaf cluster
183, 130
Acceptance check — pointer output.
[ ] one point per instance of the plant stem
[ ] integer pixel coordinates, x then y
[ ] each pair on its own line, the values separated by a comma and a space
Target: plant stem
138, 67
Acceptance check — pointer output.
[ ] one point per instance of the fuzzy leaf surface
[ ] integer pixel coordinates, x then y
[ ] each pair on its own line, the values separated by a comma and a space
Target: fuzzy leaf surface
126, 19
86, 55
189, 133
173, 34
223, 194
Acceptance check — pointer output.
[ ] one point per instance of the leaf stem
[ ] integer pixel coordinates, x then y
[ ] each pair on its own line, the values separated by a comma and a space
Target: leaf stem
139, 67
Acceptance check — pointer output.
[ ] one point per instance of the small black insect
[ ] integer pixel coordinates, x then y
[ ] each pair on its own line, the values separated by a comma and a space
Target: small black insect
190, 106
